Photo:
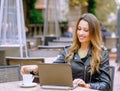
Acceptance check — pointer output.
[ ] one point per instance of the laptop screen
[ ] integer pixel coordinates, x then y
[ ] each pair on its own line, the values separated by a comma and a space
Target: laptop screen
55, 74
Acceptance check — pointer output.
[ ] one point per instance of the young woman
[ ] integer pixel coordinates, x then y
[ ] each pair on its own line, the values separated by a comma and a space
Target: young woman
88, 59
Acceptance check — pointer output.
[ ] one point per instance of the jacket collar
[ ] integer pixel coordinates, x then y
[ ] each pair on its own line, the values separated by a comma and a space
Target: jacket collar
89, 52
78, 59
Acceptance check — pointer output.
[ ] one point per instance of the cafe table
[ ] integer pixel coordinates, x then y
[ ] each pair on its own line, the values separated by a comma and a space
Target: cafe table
14, 86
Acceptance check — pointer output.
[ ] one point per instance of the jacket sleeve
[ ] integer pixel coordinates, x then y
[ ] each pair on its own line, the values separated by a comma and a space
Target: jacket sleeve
61, 57
103, 83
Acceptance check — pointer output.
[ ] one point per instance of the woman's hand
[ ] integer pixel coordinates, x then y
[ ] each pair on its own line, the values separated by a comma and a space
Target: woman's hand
28, 68
81, 83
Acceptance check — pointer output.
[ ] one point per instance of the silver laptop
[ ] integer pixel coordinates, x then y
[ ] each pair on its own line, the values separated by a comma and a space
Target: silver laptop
56, 76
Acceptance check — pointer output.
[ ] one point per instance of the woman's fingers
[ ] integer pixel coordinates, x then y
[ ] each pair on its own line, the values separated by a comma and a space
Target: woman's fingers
80, 82
28, 68
77, 81
22, 71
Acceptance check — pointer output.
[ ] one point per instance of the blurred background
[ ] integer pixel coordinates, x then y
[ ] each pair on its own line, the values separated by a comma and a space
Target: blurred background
28, 22
34, 28
68, 12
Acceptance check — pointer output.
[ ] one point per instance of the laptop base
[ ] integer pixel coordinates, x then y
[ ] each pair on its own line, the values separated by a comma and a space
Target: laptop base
58, 87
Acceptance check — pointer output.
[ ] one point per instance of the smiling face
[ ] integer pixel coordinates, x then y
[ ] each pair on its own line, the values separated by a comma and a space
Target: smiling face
83, 32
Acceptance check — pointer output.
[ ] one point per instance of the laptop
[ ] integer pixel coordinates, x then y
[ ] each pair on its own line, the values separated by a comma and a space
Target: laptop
56, 76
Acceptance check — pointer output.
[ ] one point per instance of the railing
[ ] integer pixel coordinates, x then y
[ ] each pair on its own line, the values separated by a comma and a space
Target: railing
35, 29
38, 29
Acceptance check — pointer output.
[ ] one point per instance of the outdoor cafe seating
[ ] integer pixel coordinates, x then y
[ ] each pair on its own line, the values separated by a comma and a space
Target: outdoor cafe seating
111, 42
10, 73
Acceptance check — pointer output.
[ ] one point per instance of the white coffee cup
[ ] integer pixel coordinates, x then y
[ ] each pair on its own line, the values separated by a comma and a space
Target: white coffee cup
27, 78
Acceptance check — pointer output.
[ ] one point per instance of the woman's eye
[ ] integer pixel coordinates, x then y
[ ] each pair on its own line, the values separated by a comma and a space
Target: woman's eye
79, 28
86, 30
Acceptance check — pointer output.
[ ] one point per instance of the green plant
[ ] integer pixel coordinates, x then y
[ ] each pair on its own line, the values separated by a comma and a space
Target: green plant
33, 15
91, 6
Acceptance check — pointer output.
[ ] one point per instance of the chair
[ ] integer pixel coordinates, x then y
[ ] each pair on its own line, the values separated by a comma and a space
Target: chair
49, 39
11, 51
51, 47
10, 73
59, 43
24, 60
2, 58
112, 72
43, 53
111, 42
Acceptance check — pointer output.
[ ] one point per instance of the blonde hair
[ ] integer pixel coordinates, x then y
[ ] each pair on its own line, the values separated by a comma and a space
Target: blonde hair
96, 42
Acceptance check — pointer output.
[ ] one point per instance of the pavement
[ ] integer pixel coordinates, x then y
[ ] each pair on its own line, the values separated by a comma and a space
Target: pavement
113, 62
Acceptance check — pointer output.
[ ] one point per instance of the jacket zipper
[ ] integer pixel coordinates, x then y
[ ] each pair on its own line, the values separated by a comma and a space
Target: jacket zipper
85, 73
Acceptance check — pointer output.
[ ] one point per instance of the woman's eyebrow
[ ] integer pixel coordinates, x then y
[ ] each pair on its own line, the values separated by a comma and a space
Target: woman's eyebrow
83, 27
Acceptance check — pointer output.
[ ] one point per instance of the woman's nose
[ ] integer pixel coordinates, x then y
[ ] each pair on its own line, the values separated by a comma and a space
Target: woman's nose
81, 32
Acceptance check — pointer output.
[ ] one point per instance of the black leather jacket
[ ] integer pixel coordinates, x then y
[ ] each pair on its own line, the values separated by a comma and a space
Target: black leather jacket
99, 81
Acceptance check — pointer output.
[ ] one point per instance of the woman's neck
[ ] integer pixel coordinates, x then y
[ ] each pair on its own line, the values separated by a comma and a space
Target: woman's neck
85, 46
83, 50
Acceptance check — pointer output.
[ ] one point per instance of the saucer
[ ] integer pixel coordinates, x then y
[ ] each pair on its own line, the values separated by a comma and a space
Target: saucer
27, 85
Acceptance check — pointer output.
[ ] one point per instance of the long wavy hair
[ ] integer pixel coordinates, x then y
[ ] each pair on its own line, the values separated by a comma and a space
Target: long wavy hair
95, 42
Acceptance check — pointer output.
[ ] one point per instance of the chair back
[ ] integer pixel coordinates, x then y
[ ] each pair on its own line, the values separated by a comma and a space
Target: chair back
10, 73
49, 39
59, 44
111, 42
24, 60
43, 53
112, 72
2, 58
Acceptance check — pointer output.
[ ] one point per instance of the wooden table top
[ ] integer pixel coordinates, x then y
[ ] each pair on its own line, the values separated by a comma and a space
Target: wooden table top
63, 41
14, 86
